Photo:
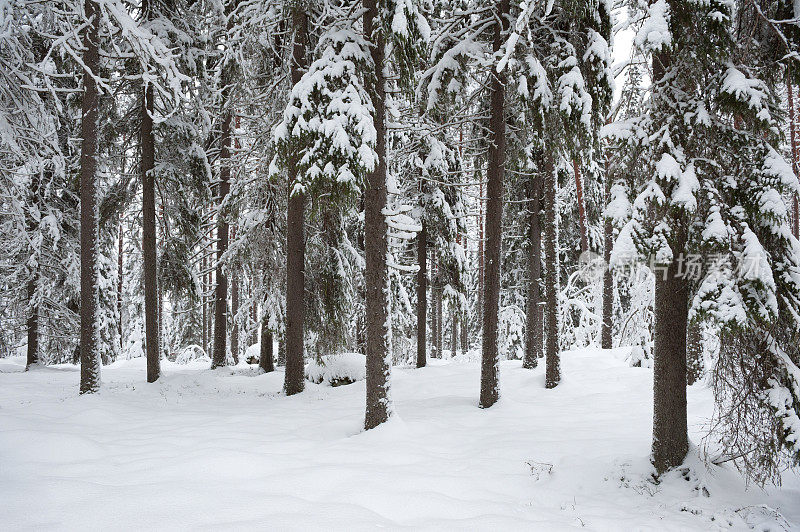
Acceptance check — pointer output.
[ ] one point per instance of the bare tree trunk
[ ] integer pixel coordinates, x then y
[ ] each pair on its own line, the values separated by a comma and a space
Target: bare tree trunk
422, 296
795, 162
453, 331
90, 356
494, 218
33, 323
234, 311
295, 239
265, 361
281, 352
533, 317
608, 277
464, 332
152, 331
33, 304
694, 352
378, 408
437, 308
670, 439
553, 357
481, 240
219, 356
119, 283
581, 206
203, 289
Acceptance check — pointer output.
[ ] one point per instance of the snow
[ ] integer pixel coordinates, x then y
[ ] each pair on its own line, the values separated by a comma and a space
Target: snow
337, 369
225, 449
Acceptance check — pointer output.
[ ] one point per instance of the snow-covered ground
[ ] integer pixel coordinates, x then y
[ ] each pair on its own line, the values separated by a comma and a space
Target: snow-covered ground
225, 449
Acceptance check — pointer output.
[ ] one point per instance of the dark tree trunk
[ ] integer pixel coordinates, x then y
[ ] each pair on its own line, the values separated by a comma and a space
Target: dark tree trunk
203, 289
437, 294
234, 311
33, 304
90, 357
454, 332
794, 148
694, 352
553, 358
295, 240
581, 206
494, 218
119, 283
378, 408
670, 439
33, 323
281, 352
152, 329
533, 316
608, 277
422, 296
265, 361
433, 309
481, 241
219, 356
464, 332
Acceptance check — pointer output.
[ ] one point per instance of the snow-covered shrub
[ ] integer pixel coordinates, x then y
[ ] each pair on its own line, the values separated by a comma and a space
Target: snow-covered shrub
190, 353
337, 370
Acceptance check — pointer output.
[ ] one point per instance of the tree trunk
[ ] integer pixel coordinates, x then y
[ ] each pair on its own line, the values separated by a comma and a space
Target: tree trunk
90, 356
422, 296
33, 323
608, 277
453, 331
234, 311
152, 331
281, 352
494, 218
433, 307
553, 358
119, 283
378, 408
694, 352
203, 289
295, 240
581, 206
481, 240
265, 361
219, 357
464, 332
533, 317
437, 292
795, 162
670, 439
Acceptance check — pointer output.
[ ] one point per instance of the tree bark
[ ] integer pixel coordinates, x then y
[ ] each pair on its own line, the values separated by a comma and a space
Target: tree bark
581, 206
437, 295
464, 332
454, 331
234, 311
422, 296
533, 317
608, 277
494, 218
552, 355
694, 352
152, 331
33, 323
90, 356
265, 361
295, 239
119, 283
795, 162
219, 356
203, 289
670, 439
378, 408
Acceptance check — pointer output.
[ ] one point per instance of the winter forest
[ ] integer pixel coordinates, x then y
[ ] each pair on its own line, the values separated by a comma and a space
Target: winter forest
439, 264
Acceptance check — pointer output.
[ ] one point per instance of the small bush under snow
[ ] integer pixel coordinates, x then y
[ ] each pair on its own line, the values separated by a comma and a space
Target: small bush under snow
190, 353
337, 370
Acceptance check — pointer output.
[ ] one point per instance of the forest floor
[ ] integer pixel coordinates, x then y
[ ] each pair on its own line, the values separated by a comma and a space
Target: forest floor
225, 449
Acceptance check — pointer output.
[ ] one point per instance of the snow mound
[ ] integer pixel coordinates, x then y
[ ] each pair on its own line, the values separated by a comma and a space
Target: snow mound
253, 353
337, 370
189, 354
